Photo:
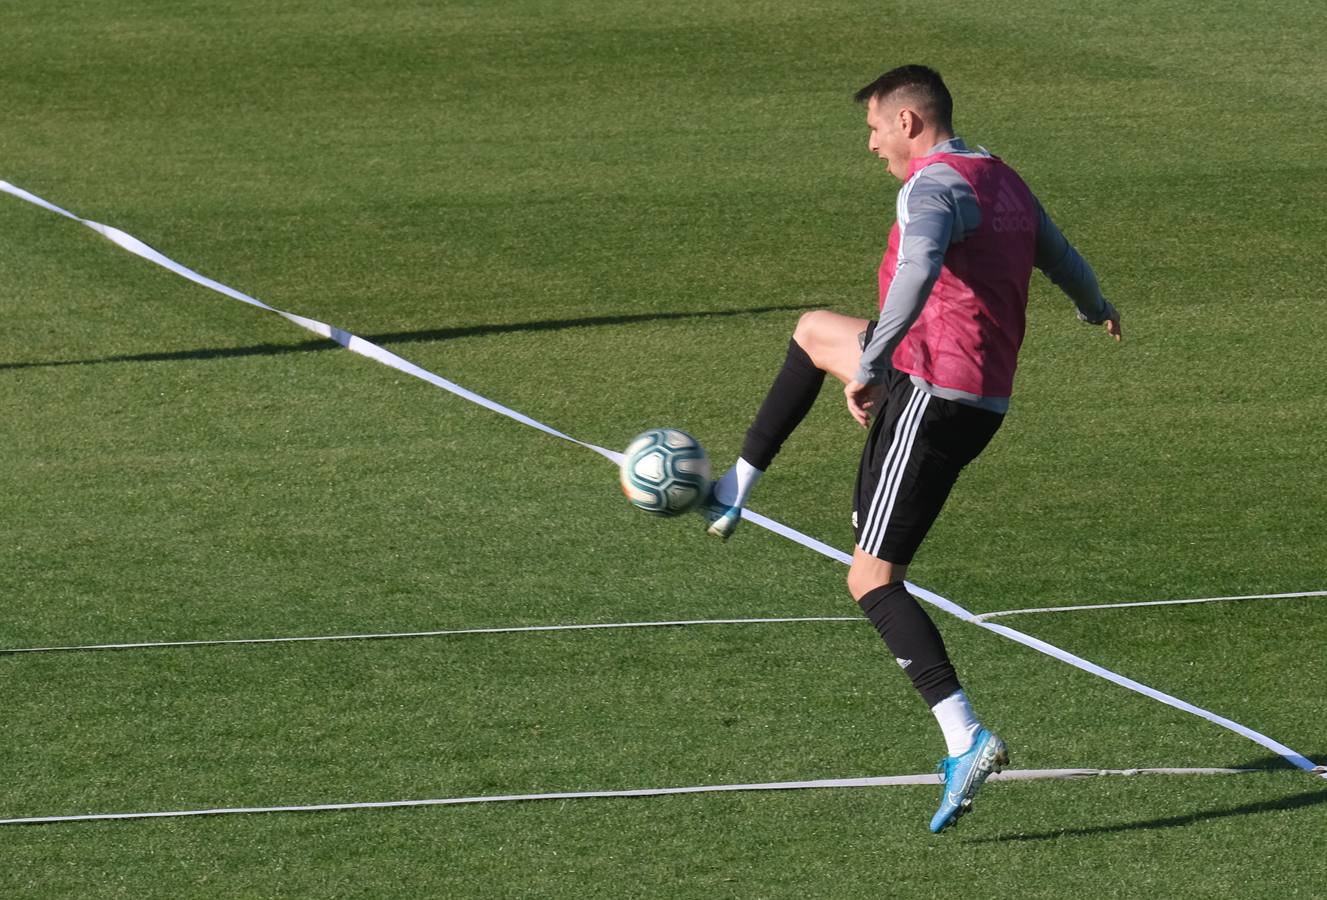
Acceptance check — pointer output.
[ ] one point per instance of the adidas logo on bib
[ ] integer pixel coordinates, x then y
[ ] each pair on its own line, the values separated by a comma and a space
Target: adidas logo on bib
1010, 213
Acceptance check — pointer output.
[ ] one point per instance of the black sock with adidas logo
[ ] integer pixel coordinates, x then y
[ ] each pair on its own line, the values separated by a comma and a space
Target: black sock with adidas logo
913, 639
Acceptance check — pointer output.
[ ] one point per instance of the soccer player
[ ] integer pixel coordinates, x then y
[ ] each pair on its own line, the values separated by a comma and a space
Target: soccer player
931, 378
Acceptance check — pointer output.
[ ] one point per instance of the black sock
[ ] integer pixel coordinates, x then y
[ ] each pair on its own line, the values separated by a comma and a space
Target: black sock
912, 638
790, 397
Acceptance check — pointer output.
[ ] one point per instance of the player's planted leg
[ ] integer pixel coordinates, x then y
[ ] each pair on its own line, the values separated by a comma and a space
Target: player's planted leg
973, 752
964, 775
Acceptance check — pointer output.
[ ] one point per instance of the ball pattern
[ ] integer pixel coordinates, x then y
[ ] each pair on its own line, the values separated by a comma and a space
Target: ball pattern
665, 472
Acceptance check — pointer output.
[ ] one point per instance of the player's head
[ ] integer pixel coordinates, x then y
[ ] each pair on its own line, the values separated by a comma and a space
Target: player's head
905, 108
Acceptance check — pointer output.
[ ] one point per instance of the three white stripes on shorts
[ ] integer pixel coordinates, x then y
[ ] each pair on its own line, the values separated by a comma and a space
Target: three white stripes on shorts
891, 474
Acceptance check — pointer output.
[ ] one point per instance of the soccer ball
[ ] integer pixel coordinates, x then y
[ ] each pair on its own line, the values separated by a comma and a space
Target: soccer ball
665, 472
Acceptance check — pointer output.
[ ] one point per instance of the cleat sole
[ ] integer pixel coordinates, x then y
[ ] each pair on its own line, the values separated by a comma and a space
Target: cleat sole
718, 533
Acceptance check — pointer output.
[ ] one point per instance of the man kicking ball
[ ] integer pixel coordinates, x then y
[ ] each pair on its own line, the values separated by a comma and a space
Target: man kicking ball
931, 378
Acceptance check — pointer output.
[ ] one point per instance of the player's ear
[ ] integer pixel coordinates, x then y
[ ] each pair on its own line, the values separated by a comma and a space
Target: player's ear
909, 122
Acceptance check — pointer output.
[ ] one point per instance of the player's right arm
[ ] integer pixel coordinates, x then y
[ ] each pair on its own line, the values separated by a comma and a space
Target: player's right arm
933, 209
1067, 269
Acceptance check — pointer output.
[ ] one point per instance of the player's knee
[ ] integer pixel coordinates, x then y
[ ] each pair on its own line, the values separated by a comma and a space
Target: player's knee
865, 578
862, 582
807, 326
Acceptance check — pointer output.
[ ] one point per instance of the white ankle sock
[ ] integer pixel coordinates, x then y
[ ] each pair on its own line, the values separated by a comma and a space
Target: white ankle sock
736, 484
957, 721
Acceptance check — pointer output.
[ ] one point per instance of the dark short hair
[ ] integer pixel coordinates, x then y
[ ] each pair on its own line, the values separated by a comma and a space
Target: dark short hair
923, 86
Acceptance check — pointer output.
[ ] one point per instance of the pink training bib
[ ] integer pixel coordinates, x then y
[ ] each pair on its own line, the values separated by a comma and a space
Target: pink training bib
968, 334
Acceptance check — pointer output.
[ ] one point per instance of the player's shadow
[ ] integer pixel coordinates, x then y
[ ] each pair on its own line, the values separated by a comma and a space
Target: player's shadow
1305, 800
407, 337
1276, 762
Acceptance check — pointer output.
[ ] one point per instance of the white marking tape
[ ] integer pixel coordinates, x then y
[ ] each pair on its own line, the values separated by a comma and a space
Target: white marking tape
509, 629
1058, 609
322, 329
373, 351
417, 634
1296, 759
882, 781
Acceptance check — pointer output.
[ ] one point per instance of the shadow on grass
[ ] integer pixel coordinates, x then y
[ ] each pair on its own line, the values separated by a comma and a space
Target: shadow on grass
1277, 763
1295, 801
407, 337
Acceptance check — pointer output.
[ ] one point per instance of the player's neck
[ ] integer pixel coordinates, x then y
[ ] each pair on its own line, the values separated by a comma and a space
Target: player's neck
929, 140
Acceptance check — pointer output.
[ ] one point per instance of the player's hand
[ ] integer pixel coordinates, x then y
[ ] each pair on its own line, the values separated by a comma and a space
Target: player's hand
1113, 327
862, 399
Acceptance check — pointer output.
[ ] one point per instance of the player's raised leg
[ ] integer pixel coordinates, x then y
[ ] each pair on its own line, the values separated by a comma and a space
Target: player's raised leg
823, 341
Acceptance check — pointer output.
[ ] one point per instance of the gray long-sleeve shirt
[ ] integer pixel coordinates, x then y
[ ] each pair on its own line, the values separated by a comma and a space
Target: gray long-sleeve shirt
937, 208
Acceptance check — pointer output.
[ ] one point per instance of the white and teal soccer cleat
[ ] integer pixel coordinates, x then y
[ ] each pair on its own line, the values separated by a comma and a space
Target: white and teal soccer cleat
964, 776
721, 518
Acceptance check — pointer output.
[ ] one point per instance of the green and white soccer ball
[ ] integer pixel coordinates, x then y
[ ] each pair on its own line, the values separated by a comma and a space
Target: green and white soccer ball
665, 472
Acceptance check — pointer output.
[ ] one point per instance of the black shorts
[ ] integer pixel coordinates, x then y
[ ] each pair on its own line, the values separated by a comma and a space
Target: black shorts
917, 445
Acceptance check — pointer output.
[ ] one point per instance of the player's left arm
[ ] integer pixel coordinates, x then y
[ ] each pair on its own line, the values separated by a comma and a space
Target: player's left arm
1065, 266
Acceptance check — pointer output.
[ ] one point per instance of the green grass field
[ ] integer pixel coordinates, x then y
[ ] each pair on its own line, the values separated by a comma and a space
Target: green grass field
608, 216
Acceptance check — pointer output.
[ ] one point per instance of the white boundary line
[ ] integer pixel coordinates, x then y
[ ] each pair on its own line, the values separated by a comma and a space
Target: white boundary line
373, 351
881, 781
1059, 609
418, 634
